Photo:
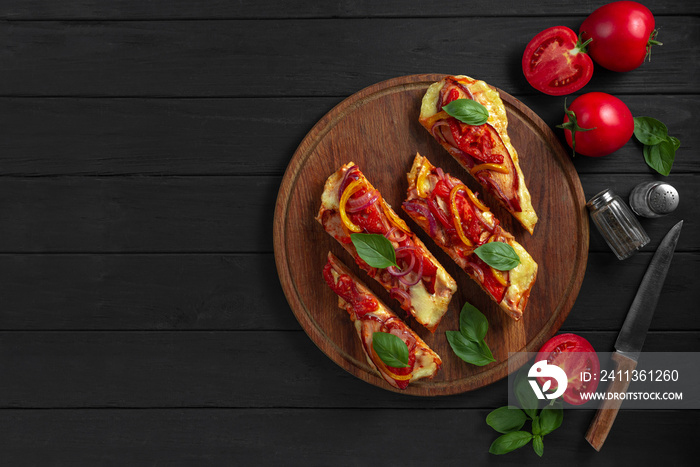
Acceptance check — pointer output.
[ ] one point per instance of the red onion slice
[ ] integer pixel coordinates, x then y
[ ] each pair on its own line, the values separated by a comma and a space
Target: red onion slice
478, 272
400, 331
445, 178
402, 296
442, 132
419, 276
400, 237
400, 253
484, 222
362, 202
437, 212
414, 206
346, 179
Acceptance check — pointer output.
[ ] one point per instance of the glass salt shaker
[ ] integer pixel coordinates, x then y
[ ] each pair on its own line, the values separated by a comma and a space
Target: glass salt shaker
617, 224
653, 199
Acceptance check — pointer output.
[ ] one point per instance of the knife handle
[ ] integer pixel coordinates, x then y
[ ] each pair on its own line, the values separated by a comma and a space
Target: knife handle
606, 413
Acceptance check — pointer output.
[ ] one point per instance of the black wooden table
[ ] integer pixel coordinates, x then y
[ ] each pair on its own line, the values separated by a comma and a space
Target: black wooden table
143, 143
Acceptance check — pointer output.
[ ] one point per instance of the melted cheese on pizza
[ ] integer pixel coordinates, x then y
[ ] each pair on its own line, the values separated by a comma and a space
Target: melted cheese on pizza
521, 277
489, 98
427, 305
366, 323
428, 308
426, 364
518, 281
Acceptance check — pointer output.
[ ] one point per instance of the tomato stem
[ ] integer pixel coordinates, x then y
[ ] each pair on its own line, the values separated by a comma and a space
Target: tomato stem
652, 41
581, 46
573, 126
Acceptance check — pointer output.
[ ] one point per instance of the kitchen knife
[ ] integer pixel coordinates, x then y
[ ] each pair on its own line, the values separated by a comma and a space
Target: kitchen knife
634, 330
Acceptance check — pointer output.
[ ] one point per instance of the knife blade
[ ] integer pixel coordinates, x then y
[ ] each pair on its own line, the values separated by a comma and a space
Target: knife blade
634, 329
633, 333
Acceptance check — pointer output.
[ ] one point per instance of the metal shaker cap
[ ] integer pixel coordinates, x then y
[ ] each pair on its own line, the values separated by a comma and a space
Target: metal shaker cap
663, 198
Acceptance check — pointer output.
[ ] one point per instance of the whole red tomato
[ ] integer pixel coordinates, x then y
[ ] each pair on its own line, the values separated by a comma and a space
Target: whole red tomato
576, 356
597, 124
622, 32
555, 62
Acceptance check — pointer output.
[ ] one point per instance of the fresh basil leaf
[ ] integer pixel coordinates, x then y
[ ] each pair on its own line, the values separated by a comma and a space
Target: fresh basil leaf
660, 157
498, 255
510, 442
659, 148
524, 394
391, 349
649, 130
675, 141
472, 323
536, 429
374, 249
485, 351
506, 419
538, 445
468, 111
471, 352
551, 417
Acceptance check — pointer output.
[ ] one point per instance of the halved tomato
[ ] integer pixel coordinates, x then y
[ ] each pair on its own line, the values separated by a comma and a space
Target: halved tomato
556, 63
576, 356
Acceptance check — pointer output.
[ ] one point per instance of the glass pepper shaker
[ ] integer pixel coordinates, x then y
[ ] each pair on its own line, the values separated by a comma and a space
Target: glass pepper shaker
617, 224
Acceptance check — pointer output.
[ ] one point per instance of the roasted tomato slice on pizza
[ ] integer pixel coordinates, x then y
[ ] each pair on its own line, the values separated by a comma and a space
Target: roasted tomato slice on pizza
457, 220
350, 204
369, 315
485, 151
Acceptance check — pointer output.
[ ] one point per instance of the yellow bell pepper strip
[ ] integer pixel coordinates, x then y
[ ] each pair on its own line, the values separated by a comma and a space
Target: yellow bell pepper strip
476, 200
492, 167
499, 275
430, 121
349, 191
421, 180
386, 370
393, 218
455, 214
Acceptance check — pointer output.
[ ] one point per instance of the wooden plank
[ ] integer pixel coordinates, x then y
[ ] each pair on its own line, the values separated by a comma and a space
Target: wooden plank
610, 286
99, 136
294, 437
316, 57
212, 214
138, 292
137, 214
209, 292
161, 9
153, 136
215, 369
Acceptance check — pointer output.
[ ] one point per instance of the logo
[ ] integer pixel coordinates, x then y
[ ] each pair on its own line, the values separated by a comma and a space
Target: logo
542, 369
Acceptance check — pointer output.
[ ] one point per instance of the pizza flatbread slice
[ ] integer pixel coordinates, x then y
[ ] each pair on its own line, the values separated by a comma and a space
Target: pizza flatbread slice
485, 151
350, 204
459, 222
369, 315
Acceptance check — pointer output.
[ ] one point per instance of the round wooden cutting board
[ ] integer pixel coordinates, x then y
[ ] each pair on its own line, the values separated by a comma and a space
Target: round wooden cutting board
378, 129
